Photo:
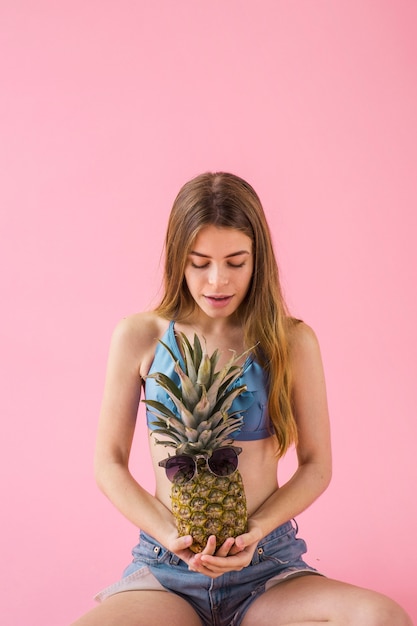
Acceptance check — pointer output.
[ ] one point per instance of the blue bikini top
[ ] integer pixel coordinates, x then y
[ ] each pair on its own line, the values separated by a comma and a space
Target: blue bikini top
252, 403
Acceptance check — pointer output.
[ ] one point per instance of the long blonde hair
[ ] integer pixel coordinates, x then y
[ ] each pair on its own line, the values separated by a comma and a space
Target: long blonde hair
225, 200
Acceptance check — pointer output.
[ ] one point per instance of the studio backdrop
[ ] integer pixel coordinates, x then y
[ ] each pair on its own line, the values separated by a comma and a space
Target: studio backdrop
106, 109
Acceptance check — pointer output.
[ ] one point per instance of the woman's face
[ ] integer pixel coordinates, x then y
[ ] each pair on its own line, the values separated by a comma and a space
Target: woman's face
219, 269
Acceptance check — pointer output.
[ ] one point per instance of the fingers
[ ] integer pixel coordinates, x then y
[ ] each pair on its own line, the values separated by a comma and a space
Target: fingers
240, 544
210, 545
246, 540
180, 543
228, 557
233, 554
217, 563
195, 563
224, 549
211, 562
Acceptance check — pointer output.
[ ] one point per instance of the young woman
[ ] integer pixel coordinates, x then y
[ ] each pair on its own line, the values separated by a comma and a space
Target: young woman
221, 282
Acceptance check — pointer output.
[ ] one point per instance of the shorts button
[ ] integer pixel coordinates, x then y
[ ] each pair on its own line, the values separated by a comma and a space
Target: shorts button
260, 550
156, 549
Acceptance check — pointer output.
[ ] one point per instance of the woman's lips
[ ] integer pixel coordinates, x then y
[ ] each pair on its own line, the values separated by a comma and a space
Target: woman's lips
218, 301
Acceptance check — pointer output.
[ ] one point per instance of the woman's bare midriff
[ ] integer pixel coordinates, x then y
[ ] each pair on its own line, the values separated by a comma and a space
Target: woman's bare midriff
255, 454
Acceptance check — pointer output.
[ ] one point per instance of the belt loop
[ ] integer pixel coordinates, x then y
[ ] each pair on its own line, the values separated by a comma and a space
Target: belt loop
174, 559
296, 526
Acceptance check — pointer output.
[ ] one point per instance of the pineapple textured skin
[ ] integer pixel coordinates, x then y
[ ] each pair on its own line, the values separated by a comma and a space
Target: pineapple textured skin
210, 505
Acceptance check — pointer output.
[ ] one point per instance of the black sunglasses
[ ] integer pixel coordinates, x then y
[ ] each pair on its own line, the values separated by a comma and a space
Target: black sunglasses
183, 467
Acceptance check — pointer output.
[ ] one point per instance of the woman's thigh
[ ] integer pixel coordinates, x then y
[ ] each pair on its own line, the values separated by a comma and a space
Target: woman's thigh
308, 600
141, 608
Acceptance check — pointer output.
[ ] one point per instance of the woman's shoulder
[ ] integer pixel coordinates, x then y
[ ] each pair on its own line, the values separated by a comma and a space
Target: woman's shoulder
302, 338
304, 351
141, 326
138, 334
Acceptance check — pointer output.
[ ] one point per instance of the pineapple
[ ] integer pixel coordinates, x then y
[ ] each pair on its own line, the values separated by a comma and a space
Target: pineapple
203, 503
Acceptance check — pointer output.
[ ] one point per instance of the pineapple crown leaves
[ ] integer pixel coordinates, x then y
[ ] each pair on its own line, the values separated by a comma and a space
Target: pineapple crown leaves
203, 400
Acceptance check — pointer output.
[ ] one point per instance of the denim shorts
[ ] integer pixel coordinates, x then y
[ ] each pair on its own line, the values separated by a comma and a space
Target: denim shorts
221, 601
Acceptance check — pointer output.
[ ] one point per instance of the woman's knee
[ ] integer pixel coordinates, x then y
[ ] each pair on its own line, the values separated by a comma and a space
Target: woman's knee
386, 612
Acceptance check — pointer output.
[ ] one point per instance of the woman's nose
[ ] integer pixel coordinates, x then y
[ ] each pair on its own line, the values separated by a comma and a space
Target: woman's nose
218, 276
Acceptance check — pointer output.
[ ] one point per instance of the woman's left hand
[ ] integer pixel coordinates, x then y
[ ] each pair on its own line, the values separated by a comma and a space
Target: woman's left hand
233, 555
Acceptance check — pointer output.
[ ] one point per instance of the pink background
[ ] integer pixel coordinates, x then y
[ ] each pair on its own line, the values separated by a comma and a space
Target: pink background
106, 108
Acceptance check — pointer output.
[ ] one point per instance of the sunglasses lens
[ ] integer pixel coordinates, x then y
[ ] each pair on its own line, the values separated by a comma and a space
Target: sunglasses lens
180, 469
223, 461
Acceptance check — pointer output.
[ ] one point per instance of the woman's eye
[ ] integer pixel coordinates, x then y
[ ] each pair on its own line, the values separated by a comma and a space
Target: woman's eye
199, 267
205, 265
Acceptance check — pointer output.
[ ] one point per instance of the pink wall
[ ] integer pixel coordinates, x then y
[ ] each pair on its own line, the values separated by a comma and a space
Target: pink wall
106, 108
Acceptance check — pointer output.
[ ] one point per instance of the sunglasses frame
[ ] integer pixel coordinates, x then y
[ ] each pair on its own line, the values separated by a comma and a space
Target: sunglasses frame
196, 457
